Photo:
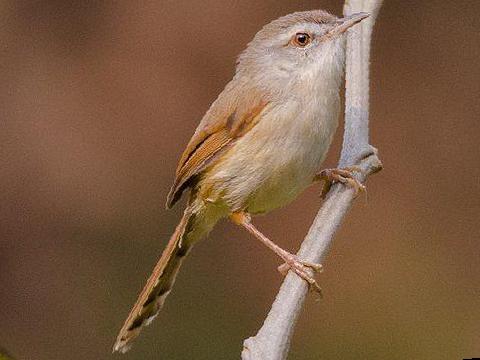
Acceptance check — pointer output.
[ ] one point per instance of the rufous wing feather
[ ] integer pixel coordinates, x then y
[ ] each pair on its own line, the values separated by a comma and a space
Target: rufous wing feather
204, 154
211, 139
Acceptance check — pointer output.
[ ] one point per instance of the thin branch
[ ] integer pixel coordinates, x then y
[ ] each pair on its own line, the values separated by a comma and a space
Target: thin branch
272, 341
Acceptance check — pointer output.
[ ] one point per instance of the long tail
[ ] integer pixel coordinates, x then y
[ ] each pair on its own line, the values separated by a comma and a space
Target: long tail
158, 285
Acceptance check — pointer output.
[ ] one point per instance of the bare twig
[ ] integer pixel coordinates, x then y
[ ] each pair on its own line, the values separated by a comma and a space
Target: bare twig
273, 339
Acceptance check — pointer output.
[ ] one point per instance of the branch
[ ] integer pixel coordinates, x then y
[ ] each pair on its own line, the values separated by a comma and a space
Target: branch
272, 341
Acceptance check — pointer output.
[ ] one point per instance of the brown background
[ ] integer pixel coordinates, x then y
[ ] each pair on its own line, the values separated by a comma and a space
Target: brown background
97, 102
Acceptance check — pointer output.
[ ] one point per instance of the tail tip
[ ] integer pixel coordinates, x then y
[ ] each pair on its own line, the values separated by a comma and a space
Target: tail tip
121, 346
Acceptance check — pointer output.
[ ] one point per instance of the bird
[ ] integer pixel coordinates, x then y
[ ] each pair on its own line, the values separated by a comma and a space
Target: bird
260, 144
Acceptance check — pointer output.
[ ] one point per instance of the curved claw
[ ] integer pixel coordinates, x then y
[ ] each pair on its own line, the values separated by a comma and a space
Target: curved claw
344, 176
301, 268
283, 269
314, 266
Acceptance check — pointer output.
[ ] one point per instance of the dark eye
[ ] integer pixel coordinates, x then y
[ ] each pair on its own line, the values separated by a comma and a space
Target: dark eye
301, 39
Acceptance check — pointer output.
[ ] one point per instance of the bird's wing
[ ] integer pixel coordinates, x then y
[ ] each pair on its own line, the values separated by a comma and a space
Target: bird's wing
228, 119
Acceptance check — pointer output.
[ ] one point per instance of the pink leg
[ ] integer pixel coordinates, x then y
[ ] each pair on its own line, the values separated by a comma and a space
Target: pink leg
301, 268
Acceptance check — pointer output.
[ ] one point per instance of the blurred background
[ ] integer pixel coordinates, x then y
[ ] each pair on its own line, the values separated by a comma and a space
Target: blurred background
97, 102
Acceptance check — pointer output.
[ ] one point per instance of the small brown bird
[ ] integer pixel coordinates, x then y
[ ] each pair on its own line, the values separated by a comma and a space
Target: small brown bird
258, 147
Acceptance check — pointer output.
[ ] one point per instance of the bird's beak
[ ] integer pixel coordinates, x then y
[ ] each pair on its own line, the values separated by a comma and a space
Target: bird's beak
347, 22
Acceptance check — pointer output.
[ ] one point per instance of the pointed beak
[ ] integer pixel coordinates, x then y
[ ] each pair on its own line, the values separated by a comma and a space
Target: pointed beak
347, 22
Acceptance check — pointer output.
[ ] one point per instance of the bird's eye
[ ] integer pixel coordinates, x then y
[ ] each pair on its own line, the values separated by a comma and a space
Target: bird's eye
301, 39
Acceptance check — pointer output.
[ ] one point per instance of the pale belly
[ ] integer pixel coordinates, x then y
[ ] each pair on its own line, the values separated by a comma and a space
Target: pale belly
280, 188
271, 165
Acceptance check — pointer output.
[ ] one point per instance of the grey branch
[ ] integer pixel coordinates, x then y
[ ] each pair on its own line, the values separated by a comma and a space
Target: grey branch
272, 341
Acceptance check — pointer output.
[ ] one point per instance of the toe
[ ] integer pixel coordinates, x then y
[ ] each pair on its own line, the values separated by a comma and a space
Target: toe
283, 269
314, 266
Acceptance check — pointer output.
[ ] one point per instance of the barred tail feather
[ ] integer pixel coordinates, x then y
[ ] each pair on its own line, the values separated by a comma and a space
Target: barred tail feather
158, 286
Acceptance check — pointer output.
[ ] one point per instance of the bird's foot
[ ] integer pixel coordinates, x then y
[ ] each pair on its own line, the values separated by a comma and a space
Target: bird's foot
344, 176
303, 269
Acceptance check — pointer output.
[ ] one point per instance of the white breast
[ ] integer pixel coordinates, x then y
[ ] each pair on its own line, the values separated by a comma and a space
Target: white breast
278, 158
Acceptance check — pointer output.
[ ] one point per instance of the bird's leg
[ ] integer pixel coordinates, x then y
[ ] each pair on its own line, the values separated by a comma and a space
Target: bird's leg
344, 176
299, 267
